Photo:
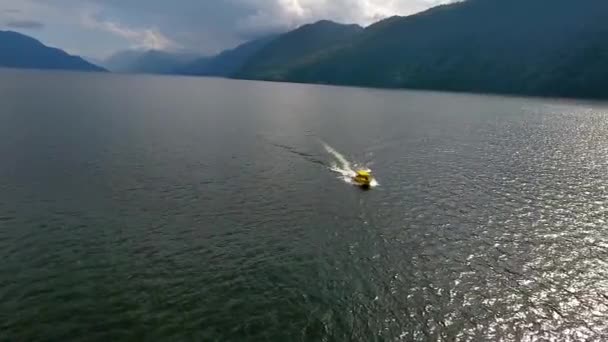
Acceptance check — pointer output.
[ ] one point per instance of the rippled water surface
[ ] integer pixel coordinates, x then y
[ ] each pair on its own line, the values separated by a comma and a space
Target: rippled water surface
159, 208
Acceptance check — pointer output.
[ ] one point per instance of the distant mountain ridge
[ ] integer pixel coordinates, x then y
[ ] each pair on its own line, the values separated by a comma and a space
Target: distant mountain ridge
528, 47
258, 58
149, 61
296, 47
224, 64
20, 51
228, 62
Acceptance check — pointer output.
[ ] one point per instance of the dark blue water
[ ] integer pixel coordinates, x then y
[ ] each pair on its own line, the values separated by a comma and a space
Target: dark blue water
159, 208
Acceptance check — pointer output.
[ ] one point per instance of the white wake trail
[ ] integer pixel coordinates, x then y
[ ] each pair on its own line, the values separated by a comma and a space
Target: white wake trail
344, 167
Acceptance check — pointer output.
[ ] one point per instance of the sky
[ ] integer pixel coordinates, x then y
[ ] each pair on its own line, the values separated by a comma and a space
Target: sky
99, 28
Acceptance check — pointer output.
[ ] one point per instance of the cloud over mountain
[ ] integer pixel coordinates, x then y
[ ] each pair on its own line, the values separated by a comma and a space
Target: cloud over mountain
100, 27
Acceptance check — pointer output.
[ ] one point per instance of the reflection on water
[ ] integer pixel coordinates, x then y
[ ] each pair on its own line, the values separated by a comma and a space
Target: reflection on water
136, 207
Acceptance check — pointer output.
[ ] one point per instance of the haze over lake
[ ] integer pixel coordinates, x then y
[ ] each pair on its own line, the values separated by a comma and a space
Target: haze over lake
175, 208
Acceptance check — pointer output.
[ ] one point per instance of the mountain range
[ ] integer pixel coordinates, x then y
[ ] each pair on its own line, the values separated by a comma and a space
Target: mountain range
295, 48
148, 61
531, 47
224, 64
528, 47
228, 62
24, 52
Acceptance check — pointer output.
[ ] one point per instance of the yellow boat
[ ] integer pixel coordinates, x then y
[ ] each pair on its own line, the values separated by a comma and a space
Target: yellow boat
363, 179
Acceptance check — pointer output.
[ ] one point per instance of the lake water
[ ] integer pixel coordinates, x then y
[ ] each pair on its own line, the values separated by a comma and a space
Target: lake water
162, 208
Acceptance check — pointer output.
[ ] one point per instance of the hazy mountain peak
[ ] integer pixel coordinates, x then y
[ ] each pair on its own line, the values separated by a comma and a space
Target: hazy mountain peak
149, 61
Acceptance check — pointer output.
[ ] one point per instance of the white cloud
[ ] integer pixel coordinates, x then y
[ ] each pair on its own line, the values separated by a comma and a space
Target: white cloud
285, 14
147, 38
100, 27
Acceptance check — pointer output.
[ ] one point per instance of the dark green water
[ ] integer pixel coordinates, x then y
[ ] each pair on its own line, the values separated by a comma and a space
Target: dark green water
184, 209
